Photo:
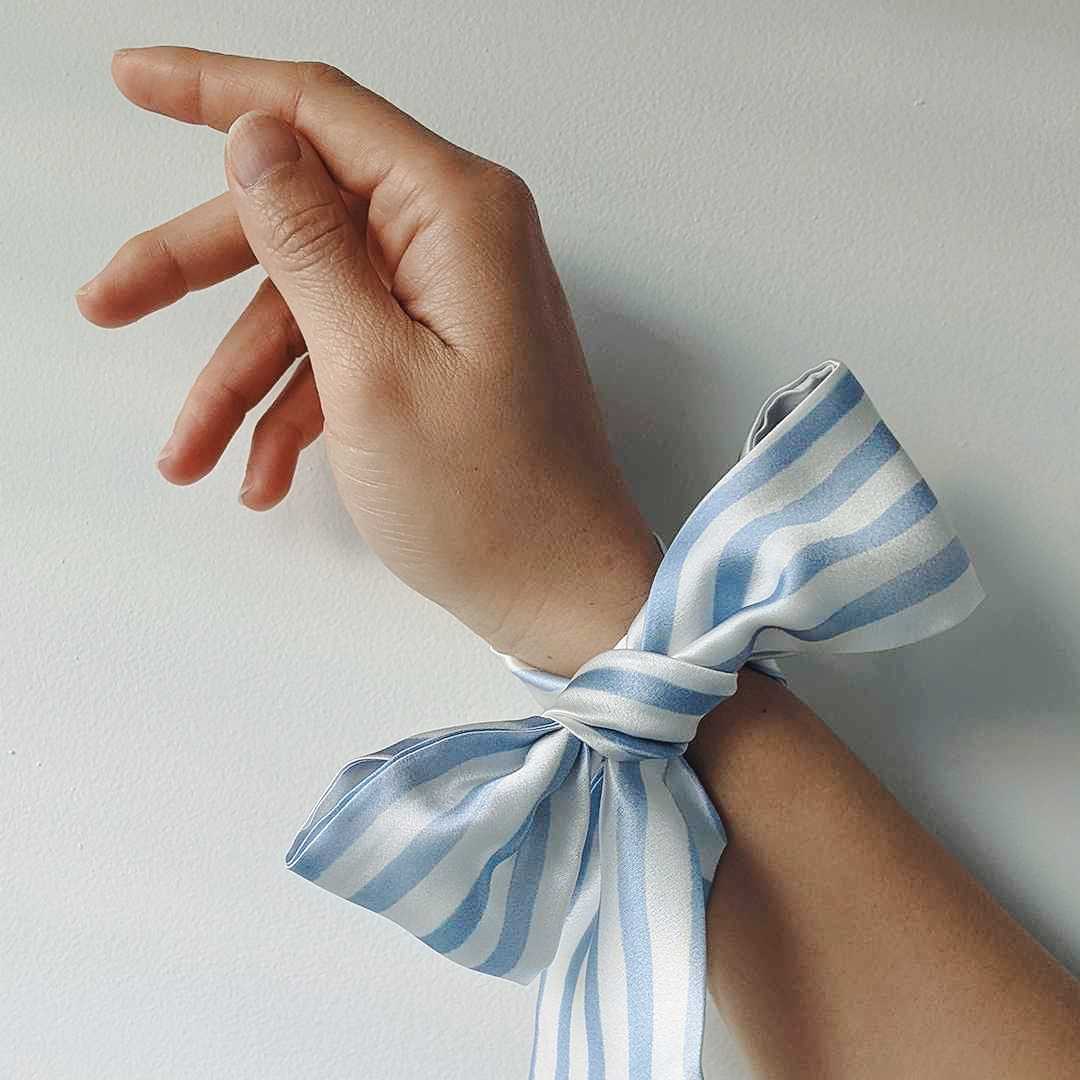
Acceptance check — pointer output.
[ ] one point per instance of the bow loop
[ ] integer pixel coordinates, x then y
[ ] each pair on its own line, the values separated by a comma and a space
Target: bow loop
630, 705
823, 538
460, 836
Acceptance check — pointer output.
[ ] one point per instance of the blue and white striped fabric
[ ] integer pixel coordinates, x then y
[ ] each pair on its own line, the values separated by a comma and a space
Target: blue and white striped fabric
578, 845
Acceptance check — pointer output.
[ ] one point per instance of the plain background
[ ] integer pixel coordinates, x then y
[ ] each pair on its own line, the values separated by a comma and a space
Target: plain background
732, 191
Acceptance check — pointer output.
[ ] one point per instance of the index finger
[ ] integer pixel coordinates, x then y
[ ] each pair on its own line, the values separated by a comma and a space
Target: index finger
359, 135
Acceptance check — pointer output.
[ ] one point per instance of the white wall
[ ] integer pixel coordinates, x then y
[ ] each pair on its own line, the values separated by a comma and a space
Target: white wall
732, 191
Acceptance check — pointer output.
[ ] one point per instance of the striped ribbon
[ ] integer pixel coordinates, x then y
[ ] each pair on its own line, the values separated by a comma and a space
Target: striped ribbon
577, 845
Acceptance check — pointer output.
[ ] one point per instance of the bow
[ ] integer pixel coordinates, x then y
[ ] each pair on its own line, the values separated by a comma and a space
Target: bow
577, 844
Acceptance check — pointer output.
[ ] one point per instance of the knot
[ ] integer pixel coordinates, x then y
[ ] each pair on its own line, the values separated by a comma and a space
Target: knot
631, 705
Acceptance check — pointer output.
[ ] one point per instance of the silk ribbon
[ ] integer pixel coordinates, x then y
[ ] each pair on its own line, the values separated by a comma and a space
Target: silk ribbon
577, 845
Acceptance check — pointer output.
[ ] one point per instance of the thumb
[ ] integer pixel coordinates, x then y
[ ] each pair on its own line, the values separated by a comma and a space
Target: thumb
299, 228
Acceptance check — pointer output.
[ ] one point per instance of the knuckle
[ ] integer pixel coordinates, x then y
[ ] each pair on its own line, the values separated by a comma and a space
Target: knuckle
488, 203
495, 201
506, 187
292, 337
149, 253
318, 73
303, 237
140, 247
275, 425
284, 335
211, 397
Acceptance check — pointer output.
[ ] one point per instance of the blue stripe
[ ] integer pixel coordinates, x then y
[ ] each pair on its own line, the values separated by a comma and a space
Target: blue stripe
907, 511
756, 471
566, 1006
435, 841
631, 821
562, 1053
330, 837
457, 928
596, 793
646, 689
736, 562
594, 1032
521, 897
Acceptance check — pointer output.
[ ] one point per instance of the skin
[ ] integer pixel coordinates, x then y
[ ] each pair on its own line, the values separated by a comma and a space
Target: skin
843, 940
409, 288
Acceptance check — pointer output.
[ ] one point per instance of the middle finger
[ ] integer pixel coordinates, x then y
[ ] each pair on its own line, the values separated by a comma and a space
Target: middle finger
156, 268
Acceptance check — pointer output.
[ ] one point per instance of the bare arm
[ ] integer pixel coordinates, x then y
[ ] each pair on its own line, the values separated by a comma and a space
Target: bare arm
843, 939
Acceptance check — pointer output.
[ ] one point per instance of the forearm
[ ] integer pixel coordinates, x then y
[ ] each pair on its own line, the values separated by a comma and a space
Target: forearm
843, 940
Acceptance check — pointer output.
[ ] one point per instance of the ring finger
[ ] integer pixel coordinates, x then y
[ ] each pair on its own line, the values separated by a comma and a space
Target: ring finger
251, 358
156, 268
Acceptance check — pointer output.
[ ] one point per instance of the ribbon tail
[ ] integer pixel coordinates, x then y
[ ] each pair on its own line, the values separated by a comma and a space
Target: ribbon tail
625, 995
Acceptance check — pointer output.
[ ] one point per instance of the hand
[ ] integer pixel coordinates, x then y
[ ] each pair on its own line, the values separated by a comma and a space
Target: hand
441, 355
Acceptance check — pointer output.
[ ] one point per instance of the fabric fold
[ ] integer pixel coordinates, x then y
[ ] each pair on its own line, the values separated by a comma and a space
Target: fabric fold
577, 844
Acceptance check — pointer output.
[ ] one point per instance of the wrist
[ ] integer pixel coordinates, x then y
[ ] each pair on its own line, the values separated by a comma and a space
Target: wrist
562, 620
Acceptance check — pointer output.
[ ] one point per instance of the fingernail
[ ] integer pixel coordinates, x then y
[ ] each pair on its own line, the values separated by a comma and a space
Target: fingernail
258, 144
167, 449
120, 52
82, 290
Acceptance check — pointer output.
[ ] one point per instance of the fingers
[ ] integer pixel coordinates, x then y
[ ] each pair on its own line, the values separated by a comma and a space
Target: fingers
261, 345
291, 423
251, 358
444, 219
359, 135
297, 223
158, 267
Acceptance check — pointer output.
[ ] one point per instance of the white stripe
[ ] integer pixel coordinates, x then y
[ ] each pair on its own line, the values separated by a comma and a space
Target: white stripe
612, 963
701, 818
584, 710
593, 709
783, 402
668, 898
547, 1024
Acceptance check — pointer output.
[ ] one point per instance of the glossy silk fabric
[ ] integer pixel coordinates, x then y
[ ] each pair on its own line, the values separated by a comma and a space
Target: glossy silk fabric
577, 845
